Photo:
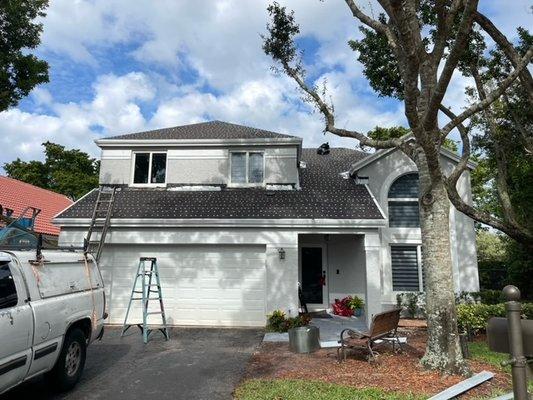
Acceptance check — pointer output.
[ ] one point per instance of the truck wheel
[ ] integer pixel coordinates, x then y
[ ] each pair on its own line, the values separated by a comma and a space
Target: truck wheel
69, 366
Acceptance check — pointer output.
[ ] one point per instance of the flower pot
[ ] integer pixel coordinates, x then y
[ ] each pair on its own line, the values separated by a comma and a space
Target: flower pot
357, 312
304, 339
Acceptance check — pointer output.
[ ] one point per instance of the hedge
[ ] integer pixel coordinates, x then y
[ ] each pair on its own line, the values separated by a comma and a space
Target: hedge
476, 316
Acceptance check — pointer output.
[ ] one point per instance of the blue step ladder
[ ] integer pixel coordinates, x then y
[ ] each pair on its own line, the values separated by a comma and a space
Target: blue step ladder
146, 271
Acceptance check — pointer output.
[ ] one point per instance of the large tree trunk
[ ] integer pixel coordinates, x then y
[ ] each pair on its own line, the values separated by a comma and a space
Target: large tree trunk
443, 350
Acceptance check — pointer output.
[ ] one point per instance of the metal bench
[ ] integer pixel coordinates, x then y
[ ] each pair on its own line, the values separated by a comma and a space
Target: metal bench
384, 327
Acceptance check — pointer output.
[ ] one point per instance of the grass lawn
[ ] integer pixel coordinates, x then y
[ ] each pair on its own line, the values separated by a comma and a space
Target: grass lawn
480, 351
287, 389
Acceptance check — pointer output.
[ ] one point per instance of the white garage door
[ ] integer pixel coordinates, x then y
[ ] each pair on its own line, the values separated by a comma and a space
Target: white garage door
211, 285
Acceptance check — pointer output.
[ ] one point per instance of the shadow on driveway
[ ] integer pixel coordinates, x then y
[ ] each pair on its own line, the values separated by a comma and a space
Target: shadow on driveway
195, 364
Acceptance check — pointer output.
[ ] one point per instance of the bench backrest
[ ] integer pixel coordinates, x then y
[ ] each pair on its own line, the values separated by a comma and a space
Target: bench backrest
384, 322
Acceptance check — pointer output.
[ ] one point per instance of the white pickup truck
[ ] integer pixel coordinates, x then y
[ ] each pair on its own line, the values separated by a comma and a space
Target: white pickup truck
50, 310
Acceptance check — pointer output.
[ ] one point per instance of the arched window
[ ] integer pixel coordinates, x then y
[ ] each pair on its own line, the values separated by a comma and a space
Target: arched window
403, 202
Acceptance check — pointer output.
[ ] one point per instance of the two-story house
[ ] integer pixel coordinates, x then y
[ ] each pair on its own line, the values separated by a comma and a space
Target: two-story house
238, 217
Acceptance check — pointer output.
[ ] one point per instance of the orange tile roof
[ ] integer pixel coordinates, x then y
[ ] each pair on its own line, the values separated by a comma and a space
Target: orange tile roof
18, 195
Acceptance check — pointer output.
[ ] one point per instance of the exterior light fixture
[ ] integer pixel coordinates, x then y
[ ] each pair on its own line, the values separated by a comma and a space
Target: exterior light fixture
281, 252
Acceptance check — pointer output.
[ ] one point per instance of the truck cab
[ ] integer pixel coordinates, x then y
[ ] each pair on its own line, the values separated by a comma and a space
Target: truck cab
51, 309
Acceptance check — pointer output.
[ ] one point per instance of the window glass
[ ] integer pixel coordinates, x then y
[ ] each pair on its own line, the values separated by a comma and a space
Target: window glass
8, 292
142, 161
238, 167
404, 214
406, 186
255, 168
405, 268
403, 202
159, 164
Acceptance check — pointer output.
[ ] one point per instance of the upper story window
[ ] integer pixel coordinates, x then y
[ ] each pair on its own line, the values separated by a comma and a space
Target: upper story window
403, 202
149, 168
247, 168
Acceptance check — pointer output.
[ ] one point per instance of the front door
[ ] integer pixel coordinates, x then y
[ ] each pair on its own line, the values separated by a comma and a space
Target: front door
313, 277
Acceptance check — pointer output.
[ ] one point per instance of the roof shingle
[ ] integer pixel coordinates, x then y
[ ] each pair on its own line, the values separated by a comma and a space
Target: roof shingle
324, 194
204, 131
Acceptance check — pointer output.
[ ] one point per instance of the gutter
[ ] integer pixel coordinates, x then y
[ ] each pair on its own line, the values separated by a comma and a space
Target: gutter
229, 223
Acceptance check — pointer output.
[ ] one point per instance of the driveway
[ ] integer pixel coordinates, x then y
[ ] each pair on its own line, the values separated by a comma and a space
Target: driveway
194, 364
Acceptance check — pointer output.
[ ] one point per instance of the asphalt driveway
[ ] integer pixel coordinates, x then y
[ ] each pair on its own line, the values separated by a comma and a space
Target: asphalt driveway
194, 364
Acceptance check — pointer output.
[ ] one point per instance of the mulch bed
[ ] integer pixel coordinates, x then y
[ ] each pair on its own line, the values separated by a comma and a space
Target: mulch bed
392, 372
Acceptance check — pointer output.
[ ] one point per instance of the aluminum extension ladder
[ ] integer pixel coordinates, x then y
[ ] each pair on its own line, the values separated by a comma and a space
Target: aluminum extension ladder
146, 270
101, 218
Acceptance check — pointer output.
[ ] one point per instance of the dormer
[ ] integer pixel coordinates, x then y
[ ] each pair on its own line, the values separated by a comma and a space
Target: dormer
212, 154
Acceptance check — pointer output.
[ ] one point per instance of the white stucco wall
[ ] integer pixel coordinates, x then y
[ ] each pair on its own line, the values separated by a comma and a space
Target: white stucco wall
196, 165
281, 275
382, 173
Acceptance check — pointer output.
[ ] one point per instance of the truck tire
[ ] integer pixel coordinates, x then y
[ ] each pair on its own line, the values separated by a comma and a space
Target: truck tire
69, 366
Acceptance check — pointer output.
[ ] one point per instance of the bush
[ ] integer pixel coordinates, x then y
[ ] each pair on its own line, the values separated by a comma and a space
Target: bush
476, 316
278, 322
356, 303
413, 303
488, 296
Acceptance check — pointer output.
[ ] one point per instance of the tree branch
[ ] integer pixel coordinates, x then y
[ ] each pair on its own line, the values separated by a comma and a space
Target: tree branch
508, 49
510, 227
461, 40
372, 23
329, 117
491, 97
444, 23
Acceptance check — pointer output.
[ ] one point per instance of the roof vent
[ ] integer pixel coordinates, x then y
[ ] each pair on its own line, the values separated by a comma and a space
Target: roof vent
323, 149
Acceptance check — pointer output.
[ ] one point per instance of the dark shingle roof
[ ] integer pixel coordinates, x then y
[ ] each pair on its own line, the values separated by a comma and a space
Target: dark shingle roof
324, 194
204, 130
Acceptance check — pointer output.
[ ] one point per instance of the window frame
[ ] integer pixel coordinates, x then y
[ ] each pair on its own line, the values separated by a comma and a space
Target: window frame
150, 153
247, 152
404, 200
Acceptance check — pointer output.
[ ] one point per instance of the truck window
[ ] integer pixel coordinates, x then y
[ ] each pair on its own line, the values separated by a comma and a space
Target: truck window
8, 292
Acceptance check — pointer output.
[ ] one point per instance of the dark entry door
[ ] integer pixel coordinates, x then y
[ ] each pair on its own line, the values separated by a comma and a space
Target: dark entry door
312, 275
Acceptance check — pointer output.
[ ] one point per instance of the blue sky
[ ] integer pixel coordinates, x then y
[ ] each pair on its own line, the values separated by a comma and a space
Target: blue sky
119, 66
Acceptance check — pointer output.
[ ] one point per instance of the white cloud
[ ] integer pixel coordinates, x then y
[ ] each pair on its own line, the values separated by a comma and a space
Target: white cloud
220, 41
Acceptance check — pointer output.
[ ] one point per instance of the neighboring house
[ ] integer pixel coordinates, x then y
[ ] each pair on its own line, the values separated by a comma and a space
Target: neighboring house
17, 198
238, 216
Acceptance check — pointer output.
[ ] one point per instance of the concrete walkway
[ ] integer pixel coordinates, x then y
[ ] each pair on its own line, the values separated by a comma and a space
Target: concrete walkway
330, 329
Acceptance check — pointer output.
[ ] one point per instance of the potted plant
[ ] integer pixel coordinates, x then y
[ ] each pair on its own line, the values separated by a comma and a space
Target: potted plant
303, 338
356, 304
348, 306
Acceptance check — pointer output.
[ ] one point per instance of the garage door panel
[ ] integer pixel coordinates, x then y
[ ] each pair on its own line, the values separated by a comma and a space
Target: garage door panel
221, 285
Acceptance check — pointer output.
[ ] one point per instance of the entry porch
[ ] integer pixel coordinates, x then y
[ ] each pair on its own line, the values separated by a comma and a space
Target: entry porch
333, 266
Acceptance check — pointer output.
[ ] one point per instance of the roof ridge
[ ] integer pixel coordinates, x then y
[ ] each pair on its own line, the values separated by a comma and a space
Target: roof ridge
132, 135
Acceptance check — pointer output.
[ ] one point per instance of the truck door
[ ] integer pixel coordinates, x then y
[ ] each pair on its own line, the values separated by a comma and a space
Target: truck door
16, 326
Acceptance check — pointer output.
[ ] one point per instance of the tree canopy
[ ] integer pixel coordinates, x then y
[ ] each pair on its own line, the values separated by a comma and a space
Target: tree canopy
20, 71
70, 172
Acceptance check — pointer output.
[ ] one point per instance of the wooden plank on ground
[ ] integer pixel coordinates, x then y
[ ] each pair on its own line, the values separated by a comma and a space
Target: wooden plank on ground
463, 386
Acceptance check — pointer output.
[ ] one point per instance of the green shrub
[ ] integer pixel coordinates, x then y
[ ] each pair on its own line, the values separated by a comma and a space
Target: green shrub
414, 303
278, 322
356, 303
476, 316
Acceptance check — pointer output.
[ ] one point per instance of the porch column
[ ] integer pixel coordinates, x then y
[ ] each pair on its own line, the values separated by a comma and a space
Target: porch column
373, 275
